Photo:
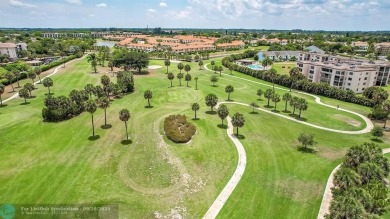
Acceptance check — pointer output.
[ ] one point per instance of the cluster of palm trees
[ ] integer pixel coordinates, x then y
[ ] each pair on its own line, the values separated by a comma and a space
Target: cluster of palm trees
100, 58
296, 103
187, 77
180, 56
360, 184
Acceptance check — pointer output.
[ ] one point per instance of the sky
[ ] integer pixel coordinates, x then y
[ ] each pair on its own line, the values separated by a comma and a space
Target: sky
346, 15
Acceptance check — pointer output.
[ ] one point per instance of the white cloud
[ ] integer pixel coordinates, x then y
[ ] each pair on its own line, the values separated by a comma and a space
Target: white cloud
101, 5
151, 10
92, 15
77, 2
163, 4
20, 4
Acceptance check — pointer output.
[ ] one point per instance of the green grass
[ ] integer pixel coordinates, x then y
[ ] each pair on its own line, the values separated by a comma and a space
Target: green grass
278, 66
55, 163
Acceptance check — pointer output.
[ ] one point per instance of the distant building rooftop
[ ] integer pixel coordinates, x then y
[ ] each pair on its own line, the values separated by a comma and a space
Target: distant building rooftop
314, 49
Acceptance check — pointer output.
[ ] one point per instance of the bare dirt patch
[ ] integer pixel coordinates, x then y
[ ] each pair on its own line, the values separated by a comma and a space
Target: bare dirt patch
347, 120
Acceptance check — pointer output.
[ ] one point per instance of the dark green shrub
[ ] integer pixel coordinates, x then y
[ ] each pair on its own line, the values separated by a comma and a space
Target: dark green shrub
177, 129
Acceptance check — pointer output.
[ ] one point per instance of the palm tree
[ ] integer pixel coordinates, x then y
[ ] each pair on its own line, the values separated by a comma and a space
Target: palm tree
92, 58
32, 76
346, 178
2, 89
48, 82
90, 89
124, 115
293, 103
302, 106
105, 80
30, 87
187, 78
17, 76
254, 106
268, 94
111, 65
294, 73
104, 103
38, 72
223, 112
286, 97
180, 66
23, 93
266, 62
10, 77
216, 68
200, 64
220, 69
196, 83
276, 99
212, 65
214, 79
148, 95
167, 63
90, 106
229, 89
211, 101
231, 68
195, 107
187, 68
386, 107
238, 121
171, 76
260, 92
180, 76
272, 75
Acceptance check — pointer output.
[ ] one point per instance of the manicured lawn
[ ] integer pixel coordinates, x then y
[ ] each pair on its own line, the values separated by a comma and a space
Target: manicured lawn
283, 68
55, 163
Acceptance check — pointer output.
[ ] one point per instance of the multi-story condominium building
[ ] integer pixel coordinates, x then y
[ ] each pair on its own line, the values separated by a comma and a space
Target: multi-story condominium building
383, 48
360, 45
281, 55
342, 72
9, 49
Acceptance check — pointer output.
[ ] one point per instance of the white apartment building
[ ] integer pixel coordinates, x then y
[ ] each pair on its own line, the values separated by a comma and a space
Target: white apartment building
9, 49
342, 72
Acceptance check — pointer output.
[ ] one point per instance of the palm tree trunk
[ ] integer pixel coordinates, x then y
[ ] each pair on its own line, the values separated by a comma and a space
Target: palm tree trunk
187, 83
222, 122
275, 107
196, 85
171, 83
149, 102
1, 101
48, 89
228, 96
13, 89
212, 109
294, 111
127, 134
285, 107
180, 82
167, 69
195, 114
105, 116
237, 131
18, 82
93, 126
384, 126
300, 111
25, 100
40, 81
291, 86
268, 102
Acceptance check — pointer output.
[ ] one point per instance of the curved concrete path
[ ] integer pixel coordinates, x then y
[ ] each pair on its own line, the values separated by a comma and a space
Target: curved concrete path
216, 207
367, 129
327, 198
16, 95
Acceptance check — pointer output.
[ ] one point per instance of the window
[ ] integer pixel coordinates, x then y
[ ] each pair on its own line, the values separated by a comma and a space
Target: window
365, 78
349, 79
349, 84
350, 73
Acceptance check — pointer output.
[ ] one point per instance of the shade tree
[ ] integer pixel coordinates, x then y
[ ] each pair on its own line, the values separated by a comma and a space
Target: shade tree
222, 112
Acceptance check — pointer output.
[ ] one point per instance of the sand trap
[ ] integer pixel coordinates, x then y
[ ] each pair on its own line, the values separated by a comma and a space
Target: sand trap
153, 67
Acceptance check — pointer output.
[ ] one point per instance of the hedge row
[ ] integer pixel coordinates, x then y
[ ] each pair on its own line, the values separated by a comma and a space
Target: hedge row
302, 84
178, 129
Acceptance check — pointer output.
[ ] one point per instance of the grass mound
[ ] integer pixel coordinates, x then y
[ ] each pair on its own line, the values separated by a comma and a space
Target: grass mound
178, 129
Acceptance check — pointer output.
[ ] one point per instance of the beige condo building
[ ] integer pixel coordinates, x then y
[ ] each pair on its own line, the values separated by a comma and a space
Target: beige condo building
343, 72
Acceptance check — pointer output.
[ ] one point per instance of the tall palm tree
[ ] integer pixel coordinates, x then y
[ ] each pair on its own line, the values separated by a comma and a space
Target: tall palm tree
180, 76
229, 89
294, 73
231, 68
167, 63
294, 103
180, 66
272, 75
195, 107
124, 115
286, 97
171, 76
212, 65
17, 76
213, 79
268, 94
220, 69
276, 99
346, 178
238, 121
196, 83
148, 95
2, 89
10, 77
266, 62
92, 58
211, 101
32, 76
259, 93
254, 106
302, 106
90, 89
187, 68
48, 82
187, 78
200, 64
90, 106
23, 93
104, 103
223, 112
386, 107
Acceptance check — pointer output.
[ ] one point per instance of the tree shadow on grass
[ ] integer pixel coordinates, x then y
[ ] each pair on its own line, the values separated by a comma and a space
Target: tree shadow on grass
307, 150
214, 85
231, 100
94, 138
268, 107
4, 105
25, 103
211, 112
11, 92
148, 107
32, 97
126, 142
239, 136
259, 99
253, 112
108, 126
288, 111
193, 119
51, 94
376, 140
222, 126
276, 111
